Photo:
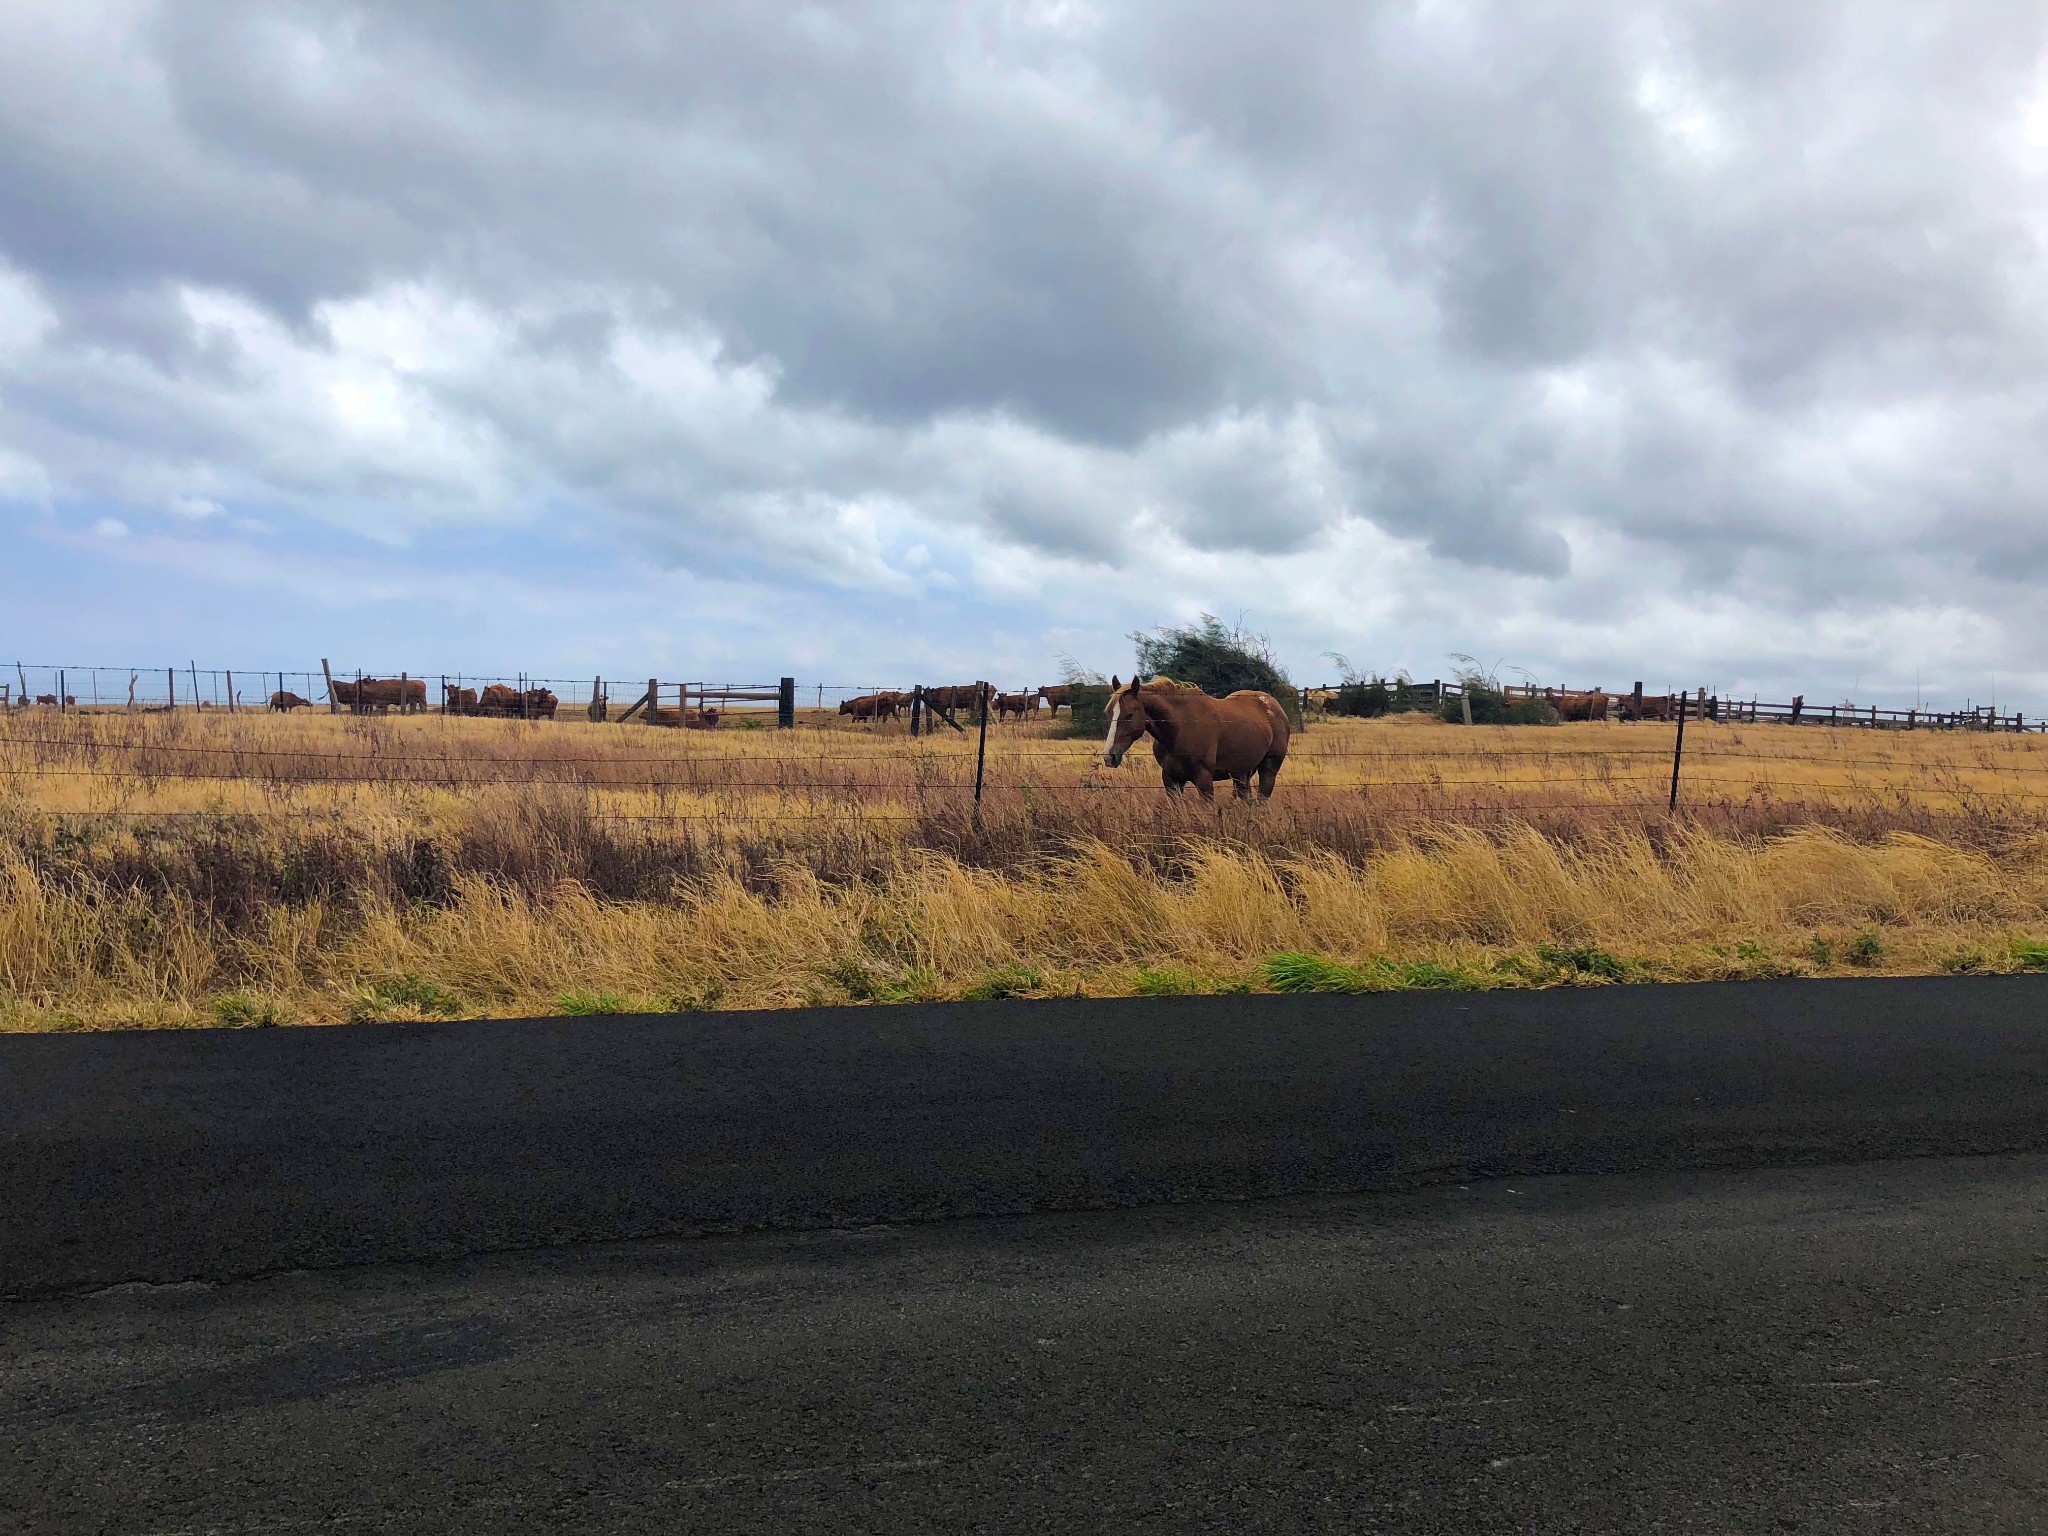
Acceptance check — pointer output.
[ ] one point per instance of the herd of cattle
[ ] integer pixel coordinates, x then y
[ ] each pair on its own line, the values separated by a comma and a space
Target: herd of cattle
1593, 705
959, 696
408, 695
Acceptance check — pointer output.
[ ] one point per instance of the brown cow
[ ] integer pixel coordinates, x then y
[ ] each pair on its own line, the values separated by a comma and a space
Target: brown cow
509, 703
1577, 706
457, 701
70, 699
1058, 697
955, 697
381, 693
284, 702
1018, 704
861, 708
1654, 708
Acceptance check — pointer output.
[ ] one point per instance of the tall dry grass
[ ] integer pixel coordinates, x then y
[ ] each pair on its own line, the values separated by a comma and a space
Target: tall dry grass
194, 869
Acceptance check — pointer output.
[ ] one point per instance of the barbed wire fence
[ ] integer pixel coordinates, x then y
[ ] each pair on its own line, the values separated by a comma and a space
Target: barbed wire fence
1623, 775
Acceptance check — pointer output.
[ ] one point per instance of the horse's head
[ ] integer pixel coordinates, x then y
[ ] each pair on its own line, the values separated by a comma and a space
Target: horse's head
1127, 721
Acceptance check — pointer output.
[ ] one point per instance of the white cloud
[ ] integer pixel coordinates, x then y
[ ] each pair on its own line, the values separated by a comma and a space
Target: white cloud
1712, 338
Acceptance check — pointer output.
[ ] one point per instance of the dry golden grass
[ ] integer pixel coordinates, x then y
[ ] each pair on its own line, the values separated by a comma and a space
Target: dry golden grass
181, 869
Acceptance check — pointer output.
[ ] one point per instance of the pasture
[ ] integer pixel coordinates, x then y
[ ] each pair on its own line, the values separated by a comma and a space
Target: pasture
193, 868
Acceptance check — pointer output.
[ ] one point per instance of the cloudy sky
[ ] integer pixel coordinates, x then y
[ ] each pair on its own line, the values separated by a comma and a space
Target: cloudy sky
1706, 344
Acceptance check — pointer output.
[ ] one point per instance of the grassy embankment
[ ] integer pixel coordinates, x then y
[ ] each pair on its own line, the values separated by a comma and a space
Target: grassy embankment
177, 870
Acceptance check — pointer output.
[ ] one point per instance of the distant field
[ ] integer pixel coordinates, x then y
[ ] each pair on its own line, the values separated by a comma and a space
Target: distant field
169, 869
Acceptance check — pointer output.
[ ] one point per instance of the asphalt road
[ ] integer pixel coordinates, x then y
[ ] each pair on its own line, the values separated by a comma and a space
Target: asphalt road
1634, 1259
207, 1154
1853, 1349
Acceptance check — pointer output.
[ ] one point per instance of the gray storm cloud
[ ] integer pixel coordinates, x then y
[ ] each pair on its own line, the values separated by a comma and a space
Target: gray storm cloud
1747, 295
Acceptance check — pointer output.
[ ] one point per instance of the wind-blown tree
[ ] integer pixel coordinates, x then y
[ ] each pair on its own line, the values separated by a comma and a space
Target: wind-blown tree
1217, 659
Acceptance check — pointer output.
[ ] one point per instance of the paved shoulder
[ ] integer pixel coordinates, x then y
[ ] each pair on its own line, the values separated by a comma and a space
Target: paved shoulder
206, 1154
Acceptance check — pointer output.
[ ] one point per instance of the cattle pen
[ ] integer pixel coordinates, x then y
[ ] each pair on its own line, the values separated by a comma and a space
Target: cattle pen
166, 865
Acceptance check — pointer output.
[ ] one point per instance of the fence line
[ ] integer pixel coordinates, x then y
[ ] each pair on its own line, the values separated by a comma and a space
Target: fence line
189, 686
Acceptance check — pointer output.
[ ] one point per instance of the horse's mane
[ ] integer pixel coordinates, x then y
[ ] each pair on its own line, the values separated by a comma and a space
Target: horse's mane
1163, 681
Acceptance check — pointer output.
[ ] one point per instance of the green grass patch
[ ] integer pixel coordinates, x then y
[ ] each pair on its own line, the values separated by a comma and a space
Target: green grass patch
579, 1004
412, 993
2030, 954
1585, 960
1866, 949
1293, 971
1003, 981
238, 1010
864, 984
1166, 981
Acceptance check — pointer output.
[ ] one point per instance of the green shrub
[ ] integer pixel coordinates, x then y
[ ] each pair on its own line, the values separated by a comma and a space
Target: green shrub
1963, 961
1821, 951
1865, 949
1217, 660
1490, 706
1087, 711
1363, 699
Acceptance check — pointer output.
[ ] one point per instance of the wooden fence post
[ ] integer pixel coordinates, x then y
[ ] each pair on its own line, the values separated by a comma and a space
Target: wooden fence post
195, 687
333, 704
981, 751
171, 687
653, 700
916, 706
1636, 701
231, 693
1677, 754
785, 704
63, 702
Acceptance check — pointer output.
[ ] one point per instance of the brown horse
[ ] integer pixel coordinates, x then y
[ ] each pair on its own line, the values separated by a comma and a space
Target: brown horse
1196, 739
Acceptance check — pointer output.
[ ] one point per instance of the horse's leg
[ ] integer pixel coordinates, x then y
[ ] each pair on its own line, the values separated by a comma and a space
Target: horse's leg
1268, 772
1173, 782
1241, 785
1205, 782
